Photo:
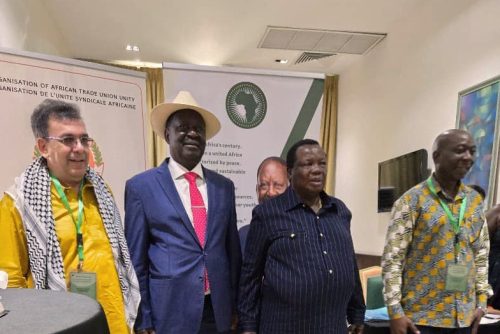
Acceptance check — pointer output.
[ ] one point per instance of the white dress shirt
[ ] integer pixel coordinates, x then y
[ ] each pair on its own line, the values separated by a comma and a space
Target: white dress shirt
182, 185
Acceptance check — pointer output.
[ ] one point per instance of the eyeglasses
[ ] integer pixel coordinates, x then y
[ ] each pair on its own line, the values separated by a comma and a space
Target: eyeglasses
72, 141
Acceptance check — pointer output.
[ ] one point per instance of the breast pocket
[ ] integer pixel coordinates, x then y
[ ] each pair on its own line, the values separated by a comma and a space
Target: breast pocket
471, 228
291, 235
287, 242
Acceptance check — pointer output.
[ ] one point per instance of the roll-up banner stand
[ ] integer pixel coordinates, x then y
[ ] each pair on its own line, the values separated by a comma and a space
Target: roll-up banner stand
112, 102
262, 114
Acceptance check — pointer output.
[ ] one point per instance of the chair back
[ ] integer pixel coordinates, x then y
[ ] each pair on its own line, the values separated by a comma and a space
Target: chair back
366, 273
374, 295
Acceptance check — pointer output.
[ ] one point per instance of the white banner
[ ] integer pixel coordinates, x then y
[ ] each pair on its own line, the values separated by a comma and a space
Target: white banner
262, 114
112, 102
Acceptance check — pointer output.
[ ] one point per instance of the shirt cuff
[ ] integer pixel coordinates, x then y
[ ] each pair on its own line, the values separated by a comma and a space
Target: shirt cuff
395, 311
247, 326
357, 317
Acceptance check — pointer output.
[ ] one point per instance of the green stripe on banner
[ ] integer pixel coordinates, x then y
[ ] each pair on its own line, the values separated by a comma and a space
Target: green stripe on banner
305, 116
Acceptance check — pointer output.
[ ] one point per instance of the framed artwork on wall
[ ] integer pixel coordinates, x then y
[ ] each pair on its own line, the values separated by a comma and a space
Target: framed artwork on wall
478, 114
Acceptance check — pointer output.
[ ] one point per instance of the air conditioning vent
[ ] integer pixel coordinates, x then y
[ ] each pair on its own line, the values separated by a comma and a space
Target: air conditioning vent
319, 41
310, 56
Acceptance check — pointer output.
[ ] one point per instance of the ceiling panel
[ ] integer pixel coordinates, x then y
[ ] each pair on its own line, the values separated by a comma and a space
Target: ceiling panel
222, 32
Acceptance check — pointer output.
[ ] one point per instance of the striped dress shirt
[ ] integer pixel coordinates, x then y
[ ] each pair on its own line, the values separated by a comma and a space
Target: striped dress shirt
299, 273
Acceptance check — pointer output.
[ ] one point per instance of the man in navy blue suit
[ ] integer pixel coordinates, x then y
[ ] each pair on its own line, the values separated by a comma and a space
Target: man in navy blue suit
299, 273
180, 225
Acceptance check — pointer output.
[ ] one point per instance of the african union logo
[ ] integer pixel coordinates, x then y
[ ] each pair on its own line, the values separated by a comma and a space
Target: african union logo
246, 105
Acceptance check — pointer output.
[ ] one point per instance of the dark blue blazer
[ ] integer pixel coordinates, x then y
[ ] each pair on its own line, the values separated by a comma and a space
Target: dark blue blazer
168, 258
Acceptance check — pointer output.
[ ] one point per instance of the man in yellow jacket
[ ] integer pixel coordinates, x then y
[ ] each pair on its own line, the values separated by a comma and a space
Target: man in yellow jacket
60, 228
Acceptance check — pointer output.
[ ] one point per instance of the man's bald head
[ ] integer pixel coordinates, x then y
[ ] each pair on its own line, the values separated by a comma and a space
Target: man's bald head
453, 153
445, 137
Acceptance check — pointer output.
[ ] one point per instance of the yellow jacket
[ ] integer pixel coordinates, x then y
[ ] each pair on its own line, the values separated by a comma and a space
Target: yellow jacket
98, 256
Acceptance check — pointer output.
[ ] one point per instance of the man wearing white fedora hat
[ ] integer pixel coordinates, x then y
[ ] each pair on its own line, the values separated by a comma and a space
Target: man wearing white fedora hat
180, 224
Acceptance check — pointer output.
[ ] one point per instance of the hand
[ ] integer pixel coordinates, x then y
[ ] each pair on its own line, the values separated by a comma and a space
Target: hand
402, 325
356, 329
478, 314
491, 310
145, 331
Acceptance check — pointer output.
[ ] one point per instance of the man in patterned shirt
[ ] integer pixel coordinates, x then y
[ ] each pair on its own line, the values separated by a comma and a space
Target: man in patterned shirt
434, 264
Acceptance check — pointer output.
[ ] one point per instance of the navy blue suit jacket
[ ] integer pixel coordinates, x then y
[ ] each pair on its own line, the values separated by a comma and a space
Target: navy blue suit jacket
168, 258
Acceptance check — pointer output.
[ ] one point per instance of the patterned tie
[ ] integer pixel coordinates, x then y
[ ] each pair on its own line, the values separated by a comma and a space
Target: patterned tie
199, 214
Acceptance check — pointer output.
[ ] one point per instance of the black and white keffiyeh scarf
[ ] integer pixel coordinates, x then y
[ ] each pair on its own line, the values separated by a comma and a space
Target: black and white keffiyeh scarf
31, 194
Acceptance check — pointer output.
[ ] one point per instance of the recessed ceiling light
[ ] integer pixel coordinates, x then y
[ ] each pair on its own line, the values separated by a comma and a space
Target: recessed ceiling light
134, 48
281, 61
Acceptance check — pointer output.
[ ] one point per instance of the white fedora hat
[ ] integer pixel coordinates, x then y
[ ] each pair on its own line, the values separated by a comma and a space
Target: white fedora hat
183, 100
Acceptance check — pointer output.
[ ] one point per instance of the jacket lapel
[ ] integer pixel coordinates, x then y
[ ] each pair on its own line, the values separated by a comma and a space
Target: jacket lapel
210, 206
167, 184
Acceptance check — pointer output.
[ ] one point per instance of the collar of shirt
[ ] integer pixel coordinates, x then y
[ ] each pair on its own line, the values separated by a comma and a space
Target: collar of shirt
294, 201
70, 192
439, 190
177, 172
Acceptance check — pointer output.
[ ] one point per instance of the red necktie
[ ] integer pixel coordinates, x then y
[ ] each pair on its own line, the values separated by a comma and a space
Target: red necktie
199, 213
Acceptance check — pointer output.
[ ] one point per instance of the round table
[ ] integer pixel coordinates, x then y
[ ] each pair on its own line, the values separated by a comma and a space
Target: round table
46, 311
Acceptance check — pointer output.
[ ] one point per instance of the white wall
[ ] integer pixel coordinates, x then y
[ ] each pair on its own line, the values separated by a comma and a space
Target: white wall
394, 100
26, 25
400, 96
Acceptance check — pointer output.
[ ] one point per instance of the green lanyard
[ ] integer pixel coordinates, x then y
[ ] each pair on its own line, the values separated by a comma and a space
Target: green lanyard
455, 223
79, 220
